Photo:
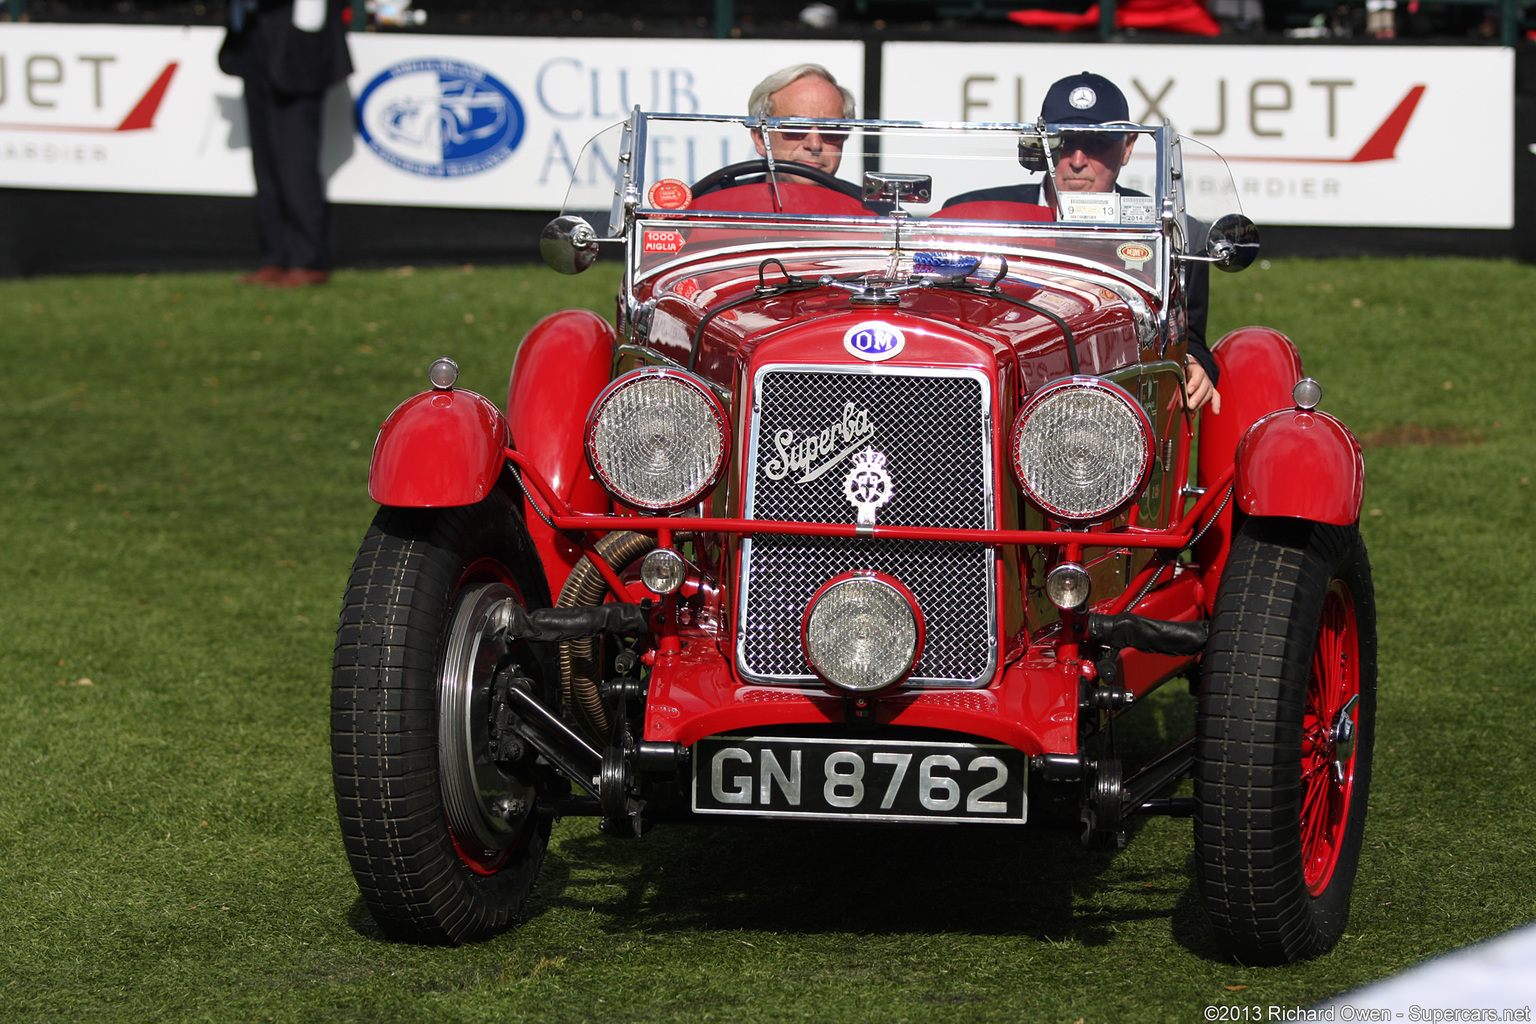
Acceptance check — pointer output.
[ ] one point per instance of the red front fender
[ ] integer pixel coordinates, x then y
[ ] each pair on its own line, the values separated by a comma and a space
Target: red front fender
437, 449
561, 366
1303, 465
1259, 367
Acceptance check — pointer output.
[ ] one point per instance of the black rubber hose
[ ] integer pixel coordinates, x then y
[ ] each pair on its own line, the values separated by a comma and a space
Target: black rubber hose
1155, 636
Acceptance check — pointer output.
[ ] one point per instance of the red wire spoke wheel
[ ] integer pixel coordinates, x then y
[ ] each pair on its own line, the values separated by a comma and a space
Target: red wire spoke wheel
1328, 737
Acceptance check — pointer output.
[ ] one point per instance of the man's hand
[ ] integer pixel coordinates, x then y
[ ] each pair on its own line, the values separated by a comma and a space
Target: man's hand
1198, 388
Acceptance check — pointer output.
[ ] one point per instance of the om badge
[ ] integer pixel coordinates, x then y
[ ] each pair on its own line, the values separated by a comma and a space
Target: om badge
867, 485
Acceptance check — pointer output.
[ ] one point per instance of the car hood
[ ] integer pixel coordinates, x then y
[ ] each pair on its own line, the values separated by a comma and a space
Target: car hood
737, 320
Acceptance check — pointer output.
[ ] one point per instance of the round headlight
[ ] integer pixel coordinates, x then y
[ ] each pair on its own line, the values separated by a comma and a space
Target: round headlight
863, 632
1082, 448
663, 570
1068, 586
657, 439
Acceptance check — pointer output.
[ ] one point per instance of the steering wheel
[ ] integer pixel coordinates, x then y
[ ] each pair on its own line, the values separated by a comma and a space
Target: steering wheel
726, 177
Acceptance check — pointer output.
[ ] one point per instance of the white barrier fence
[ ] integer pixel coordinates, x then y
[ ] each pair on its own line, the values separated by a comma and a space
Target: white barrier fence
1330, 136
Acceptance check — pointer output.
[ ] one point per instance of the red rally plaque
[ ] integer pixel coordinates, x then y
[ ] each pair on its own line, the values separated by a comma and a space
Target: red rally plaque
670, 194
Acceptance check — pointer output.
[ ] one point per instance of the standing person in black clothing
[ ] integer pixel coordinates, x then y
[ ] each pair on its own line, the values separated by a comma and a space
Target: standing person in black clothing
289, 52
1090, 162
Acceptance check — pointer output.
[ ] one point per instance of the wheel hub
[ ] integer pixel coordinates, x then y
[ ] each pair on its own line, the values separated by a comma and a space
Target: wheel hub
1342, 739
486, 804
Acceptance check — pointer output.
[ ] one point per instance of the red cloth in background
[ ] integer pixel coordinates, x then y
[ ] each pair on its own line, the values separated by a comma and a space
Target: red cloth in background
1187, 16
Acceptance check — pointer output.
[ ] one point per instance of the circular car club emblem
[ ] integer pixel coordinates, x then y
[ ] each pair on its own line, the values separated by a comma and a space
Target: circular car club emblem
1082, 98
439, 118
874, 341
868, 485
670, 194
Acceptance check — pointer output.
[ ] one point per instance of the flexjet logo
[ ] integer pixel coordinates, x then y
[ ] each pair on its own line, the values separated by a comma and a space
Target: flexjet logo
440, 118
812, 455
1381, 145
139, 118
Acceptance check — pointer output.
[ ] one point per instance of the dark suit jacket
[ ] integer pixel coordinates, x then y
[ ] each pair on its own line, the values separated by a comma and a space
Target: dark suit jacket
1197, 275
292, 61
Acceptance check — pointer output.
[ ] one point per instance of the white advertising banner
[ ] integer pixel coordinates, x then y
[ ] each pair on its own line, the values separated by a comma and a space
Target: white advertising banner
501, 122
120, 109
424, 121
1347, 136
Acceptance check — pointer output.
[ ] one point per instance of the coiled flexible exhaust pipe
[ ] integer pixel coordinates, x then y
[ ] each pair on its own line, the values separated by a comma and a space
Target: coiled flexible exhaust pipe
581, 660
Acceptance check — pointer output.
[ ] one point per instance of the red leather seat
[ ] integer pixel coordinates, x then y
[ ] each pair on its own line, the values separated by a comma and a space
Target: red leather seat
795, 196
995, 210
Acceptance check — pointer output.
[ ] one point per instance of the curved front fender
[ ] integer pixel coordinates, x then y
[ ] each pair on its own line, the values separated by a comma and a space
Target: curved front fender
437, 449
1302, 465
1259, 367
561, 366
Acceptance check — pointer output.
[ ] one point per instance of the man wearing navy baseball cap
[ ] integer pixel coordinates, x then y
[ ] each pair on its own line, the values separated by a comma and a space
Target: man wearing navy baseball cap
1090, 162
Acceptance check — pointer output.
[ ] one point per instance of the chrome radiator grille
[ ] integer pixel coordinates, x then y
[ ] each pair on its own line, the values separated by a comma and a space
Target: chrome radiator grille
934, 430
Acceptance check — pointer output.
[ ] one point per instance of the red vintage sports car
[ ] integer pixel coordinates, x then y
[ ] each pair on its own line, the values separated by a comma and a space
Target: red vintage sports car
868, 508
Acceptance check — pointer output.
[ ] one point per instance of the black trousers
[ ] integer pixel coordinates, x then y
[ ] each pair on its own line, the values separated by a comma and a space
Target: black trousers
291, 211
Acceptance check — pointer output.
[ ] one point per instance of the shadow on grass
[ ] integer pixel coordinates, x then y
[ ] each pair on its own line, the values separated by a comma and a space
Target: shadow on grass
823, 878
815, 878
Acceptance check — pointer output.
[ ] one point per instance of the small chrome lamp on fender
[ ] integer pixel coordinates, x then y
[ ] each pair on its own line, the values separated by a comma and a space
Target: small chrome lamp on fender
863, 631
443, 373
1307, 393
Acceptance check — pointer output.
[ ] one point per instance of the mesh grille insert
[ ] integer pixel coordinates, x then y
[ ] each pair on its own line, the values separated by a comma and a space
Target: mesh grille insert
933, 430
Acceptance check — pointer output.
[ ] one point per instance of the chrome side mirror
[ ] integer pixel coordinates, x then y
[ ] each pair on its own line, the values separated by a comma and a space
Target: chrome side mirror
1233, 243
568, 244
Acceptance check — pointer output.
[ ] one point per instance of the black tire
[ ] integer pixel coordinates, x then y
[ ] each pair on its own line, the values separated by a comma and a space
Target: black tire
415, 654
1283, 762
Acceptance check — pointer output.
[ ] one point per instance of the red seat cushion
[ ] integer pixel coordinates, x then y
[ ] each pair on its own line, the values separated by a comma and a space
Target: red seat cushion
796, 197
995, 210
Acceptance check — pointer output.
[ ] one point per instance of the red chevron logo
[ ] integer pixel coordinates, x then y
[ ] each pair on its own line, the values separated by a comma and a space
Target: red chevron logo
140, 117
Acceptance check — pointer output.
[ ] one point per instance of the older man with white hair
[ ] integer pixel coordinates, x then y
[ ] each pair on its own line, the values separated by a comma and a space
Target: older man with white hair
803, 90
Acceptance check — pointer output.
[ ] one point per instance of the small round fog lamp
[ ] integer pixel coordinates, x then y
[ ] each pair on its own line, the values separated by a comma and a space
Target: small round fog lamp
863, 632
1307, 393
443, 374
663, 570
1067, 586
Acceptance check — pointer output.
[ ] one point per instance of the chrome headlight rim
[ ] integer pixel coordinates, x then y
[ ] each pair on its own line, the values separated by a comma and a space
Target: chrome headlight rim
908, 599
637, 377
1102, 511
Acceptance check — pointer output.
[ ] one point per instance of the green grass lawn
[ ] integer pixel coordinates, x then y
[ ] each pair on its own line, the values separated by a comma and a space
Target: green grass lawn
182, 489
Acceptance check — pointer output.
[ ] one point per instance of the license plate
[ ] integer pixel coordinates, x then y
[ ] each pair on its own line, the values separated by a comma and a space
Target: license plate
860, 779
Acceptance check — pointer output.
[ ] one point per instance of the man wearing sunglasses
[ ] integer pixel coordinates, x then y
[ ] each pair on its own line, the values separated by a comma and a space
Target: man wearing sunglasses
804, 90
1090, 162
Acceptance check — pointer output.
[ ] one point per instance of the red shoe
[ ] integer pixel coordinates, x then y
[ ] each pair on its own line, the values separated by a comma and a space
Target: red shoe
265, 275
299, 277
